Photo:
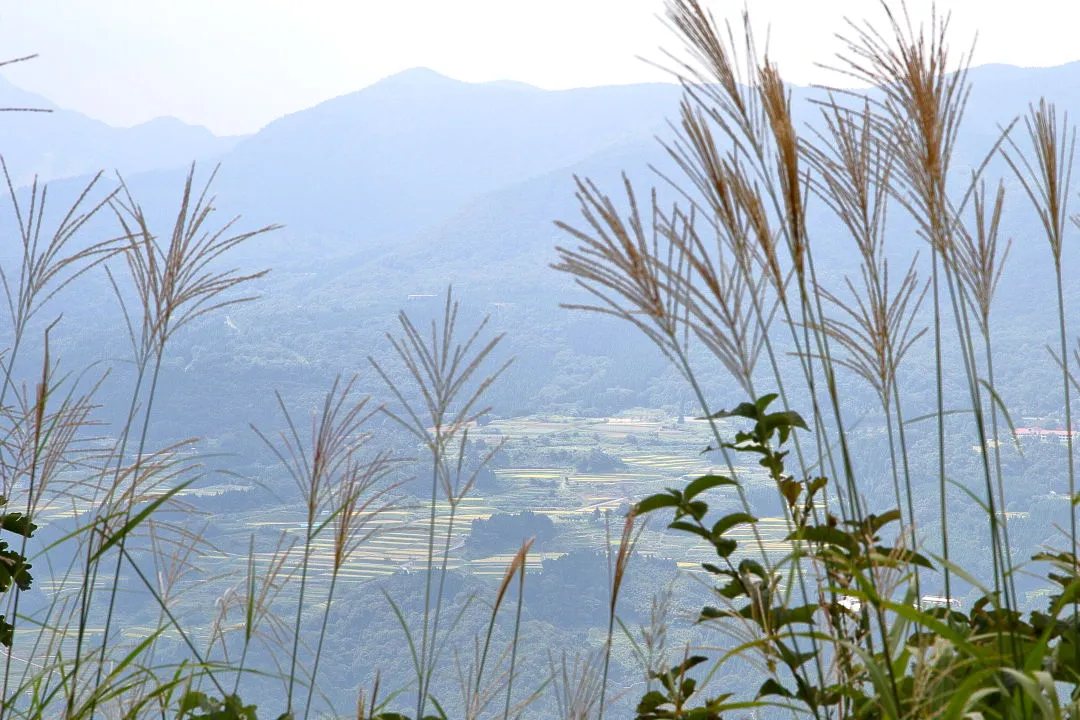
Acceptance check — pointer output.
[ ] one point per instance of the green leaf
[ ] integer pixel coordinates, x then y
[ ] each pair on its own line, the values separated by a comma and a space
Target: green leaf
825, 535
753, 567
791, 490
784, 419
729, 521
706, 482
733, 589
193, 700
725, 546
879, 521
7, 632
795, 659
966, 696
17, 523
696, 510
786, 616
13, 568
772, 687
690, 662
690, 528
655, 502
232, 708
651, 702
712, 613
746, 410
763, 402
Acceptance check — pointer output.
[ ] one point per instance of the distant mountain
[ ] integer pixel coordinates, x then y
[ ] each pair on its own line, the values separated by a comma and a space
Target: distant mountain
420, 170
403, 153
64, 143
14, 98
420, 180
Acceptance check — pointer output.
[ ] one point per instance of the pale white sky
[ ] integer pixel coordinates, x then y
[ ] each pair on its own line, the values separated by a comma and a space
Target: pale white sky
234, 65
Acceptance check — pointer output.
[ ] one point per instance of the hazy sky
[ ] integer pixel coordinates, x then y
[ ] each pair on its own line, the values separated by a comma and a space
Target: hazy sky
234, 65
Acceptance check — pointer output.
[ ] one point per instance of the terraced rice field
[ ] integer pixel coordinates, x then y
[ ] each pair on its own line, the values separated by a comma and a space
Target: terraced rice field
621, 478
53, 585
402, 538
581, 493
667, 464
496, 565
525, 476
69, 506
690, 431
519, 428
615, 427
400, 543
530, 474
531, 489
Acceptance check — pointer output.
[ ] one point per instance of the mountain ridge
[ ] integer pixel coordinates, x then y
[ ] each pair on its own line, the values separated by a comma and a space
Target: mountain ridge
64, 143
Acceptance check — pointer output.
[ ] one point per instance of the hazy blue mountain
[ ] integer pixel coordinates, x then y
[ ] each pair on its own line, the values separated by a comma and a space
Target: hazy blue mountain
383, 168
64, 143
419, 181
411, 149
14, 97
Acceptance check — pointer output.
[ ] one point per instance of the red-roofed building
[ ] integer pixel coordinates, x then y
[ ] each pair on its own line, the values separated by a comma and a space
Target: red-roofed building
1044, 435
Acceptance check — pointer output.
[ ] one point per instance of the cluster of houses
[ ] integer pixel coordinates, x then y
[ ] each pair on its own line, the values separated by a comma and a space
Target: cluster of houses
928, 601
1030, 435
1038, 434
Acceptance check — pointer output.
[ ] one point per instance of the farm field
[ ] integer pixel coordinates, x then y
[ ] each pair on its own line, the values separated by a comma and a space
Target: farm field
584, 505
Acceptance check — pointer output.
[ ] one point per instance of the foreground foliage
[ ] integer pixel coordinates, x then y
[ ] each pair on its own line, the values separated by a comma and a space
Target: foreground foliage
992, 661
